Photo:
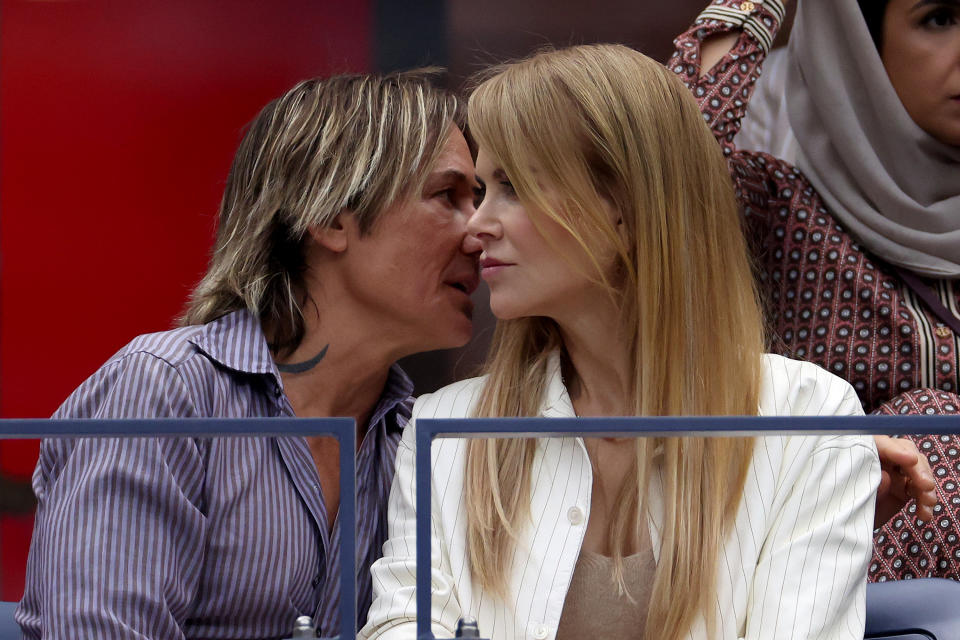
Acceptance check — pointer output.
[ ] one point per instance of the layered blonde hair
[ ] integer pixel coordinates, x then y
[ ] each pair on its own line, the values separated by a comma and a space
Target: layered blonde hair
606, 126
356, 142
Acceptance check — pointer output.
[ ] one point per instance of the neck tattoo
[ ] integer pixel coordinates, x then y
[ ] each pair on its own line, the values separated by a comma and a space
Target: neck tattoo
306, 365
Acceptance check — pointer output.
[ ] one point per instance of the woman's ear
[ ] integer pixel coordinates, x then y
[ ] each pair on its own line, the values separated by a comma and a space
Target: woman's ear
336, 236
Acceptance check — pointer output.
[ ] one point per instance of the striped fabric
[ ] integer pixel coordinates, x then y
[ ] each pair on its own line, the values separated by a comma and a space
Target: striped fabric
934, 359
793, 567
760, 18
196, 538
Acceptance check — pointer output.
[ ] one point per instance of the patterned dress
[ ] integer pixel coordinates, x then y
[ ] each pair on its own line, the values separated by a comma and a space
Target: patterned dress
830, 301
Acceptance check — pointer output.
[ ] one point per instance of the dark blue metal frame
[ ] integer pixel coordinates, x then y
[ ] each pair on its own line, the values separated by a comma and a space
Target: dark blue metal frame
343, 429
715, 426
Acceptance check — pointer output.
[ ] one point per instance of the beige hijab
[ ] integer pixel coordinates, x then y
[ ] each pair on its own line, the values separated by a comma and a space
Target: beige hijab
889, 183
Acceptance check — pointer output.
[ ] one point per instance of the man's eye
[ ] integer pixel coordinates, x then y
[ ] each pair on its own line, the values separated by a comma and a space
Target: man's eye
447, 194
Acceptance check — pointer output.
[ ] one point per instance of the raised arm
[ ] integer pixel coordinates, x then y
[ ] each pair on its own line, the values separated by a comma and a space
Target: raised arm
719, 59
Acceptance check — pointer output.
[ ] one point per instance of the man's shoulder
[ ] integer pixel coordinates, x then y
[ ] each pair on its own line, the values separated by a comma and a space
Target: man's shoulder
173, 347
455, 400
145, 378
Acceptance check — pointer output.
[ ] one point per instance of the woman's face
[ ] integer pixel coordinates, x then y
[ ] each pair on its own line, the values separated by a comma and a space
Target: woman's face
921, 53
528, 274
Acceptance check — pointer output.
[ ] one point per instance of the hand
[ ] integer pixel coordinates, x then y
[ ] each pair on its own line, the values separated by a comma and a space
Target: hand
904, 474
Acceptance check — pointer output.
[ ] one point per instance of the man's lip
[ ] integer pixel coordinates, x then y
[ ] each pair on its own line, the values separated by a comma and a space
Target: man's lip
470, 282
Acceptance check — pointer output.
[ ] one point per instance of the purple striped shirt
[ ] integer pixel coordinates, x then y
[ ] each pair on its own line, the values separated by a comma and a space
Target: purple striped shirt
196, 537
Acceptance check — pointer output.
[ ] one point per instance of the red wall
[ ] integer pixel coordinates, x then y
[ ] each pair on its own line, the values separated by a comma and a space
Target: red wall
118, 121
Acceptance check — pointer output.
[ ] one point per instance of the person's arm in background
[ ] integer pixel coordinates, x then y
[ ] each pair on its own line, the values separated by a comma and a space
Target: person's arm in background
719, 59
117, 547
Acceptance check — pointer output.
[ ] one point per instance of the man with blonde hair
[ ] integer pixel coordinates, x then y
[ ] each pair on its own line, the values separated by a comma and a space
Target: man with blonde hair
341, 247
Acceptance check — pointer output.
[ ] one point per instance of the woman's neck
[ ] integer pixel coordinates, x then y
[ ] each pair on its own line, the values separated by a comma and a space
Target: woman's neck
597, 367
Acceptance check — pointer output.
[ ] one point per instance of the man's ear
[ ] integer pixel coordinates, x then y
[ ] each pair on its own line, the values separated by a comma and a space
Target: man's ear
338, 235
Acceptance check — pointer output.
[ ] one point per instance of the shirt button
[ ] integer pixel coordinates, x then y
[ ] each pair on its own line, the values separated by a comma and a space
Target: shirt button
316, 581
942, 332
541, 632
575, 515
748, 7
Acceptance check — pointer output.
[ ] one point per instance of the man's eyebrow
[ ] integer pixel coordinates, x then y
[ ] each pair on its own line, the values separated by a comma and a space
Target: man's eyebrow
480, 182
450, 174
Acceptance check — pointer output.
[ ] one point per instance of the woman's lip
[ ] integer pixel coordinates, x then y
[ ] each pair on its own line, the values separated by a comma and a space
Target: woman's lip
492, 262
488, 271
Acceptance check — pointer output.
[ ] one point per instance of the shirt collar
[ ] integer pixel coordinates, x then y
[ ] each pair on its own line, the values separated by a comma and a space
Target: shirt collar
556, 401
397, 391
236, 341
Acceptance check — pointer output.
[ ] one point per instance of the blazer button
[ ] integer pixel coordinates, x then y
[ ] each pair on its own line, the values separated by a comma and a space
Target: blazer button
541, 632
575, 515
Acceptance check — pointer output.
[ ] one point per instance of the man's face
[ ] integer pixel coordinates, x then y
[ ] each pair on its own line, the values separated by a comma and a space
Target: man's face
416, 268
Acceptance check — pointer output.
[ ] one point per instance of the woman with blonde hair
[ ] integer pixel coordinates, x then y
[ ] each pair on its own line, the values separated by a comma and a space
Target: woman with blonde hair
616, 265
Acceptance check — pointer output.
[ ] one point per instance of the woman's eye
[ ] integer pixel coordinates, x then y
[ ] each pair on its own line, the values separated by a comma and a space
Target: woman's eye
478, 194
508, 187
938, 18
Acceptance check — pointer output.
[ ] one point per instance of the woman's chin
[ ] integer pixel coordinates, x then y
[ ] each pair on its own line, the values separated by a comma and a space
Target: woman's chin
509, 310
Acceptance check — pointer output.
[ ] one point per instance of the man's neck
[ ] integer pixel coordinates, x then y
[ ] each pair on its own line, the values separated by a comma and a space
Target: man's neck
335, 378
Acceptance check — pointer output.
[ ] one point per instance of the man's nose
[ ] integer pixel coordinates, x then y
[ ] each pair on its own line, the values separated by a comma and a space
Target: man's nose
471, 244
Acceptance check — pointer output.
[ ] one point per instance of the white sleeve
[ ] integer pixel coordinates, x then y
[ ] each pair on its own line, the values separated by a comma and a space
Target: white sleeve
810, 578
393, 614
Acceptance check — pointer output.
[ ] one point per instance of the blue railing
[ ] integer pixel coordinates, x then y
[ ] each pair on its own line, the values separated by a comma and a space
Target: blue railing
427, 430
341, 428
725, 426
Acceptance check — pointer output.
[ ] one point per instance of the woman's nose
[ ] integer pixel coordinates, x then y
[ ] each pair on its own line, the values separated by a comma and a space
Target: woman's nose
483, 223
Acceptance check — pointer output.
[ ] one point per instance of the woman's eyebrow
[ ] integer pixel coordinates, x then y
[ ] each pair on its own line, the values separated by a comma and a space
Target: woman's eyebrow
500, 174
926, 3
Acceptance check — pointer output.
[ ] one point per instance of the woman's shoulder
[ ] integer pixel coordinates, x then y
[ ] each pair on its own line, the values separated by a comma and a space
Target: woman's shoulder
452, 401
798, 388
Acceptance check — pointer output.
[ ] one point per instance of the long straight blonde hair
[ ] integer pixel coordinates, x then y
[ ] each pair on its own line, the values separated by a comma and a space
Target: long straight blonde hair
605, 125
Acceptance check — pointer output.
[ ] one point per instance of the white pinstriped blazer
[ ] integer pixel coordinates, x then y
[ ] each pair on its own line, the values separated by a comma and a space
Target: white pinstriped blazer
793, 567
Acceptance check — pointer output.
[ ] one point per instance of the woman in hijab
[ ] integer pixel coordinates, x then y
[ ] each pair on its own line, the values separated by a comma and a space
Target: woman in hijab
858, 245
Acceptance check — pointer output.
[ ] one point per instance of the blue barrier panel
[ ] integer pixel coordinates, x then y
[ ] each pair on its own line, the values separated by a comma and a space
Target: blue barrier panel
714, 426
343, 429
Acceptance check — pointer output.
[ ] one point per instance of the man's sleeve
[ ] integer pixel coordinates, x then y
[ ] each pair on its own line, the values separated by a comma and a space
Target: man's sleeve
118, 538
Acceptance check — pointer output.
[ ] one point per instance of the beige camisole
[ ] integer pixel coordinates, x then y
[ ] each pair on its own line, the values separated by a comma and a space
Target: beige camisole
594, 608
